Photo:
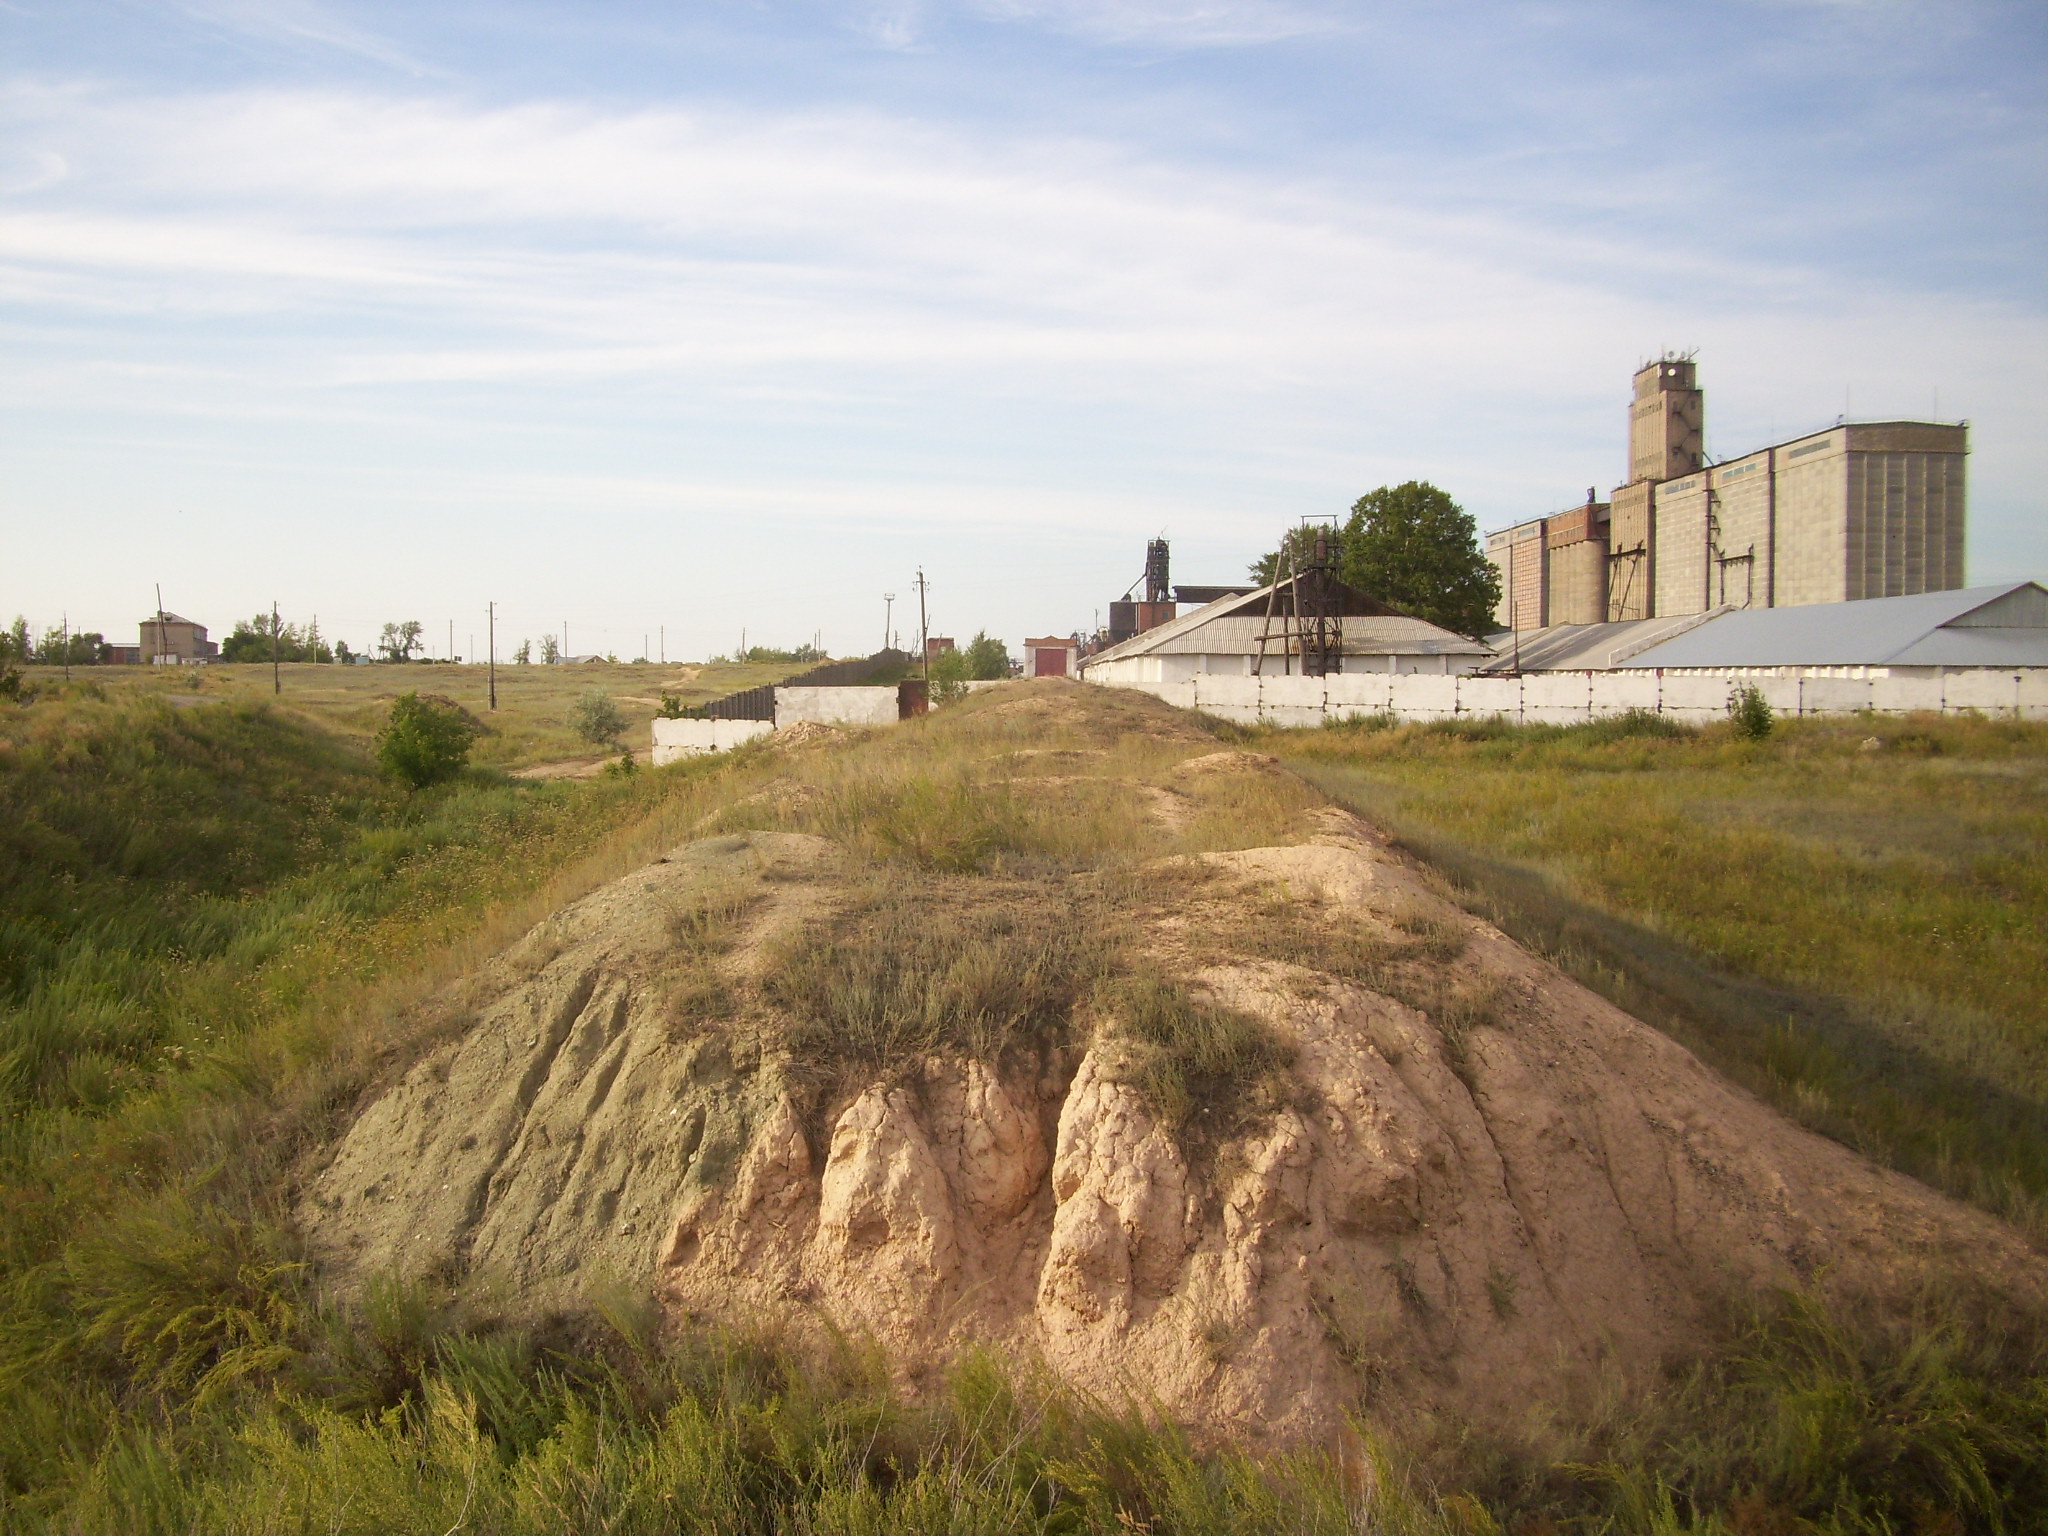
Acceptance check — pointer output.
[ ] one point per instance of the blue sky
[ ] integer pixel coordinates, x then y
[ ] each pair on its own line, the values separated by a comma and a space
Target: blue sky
723, 315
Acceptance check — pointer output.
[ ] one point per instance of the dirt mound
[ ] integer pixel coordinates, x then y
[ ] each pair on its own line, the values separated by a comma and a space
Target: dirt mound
806, 733
1213, 765
1476, 1184
1067, 715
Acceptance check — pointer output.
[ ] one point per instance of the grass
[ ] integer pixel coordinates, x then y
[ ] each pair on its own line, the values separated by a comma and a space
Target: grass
533, 724
1850, 916
198, 1004
909, 970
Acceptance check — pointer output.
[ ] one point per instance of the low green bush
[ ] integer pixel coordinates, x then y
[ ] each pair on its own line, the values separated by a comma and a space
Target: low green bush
426, 740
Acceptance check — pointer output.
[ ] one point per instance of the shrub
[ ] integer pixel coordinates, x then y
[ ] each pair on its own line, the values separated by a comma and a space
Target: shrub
1750, 712
596, 718
949, 674
427, 739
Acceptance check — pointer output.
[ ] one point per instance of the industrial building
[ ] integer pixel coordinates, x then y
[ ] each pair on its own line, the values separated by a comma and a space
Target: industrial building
169, 640
1860, 510
1260, 633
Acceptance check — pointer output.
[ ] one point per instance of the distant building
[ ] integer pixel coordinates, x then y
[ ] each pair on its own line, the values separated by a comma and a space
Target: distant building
1862, 510
173, 641
1239, 635
933, 644
1053, 656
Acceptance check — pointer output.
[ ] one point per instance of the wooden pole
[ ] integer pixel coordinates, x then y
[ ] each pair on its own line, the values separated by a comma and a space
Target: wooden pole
924, 631
493, 644
276, 682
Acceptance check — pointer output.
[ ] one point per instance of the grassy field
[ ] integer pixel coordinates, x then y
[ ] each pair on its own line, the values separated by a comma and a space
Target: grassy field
1850, 916
220, 923
529, 727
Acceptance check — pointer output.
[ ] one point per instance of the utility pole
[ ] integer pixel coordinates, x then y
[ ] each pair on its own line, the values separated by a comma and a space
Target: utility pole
451, 639
924, 632
276, 682
491, 629
888, 605
663, 636
643, 645
67, 645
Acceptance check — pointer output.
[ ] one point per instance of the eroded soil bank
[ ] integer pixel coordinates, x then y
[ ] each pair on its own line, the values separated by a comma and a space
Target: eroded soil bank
1366, 1151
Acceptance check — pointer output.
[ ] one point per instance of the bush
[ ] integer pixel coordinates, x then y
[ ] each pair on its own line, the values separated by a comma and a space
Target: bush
426, 739
948, 674
596, 718
1750, 712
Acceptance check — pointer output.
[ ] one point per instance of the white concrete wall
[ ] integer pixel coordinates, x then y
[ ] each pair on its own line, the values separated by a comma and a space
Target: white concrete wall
693, 738
835, 706
1563, 698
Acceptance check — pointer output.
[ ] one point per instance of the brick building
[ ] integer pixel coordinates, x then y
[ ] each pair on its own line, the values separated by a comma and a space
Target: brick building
1860, 510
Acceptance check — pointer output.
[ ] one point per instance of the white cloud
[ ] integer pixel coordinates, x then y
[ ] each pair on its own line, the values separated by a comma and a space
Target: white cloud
567, 313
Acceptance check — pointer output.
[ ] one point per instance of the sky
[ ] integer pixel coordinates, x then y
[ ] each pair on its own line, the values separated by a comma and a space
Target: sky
677, 323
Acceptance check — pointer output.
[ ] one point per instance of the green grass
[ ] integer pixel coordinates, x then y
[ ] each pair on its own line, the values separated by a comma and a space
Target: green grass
224, 927
1850, 916
533, 724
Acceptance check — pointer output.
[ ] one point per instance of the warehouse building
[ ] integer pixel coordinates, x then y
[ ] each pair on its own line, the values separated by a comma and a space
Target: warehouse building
1860, 510
1255, 634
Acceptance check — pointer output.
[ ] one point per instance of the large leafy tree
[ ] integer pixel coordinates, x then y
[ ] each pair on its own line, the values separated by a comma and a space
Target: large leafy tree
1414, 547
987, 658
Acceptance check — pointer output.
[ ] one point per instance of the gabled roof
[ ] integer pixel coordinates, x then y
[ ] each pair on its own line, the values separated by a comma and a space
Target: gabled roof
172, 618
1232, 626
2001, 626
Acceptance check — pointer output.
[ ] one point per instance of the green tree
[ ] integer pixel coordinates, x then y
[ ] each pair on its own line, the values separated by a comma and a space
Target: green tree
426, 739
399, 641
14, 644
250, 640
550, 650
948, 675
524, 655
1409, 545
987, 658
1414, 547
596, 718
1266, 569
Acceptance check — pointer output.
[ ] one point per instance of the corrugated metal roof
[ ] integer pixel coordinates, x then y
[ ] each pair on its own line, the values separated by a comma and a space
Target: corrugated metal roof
1221, 628
1877, 631
1584, 647
1238, 635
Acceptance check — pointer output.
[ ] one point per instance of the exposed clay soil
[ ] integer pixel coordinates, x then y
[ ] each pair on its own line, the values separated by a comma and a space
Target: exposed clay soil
1472, 1211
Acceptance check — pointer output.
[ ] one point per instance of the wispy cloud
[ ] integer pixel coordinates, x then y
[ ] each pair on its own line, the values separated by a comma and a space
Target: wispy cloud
302, 24
1175, 23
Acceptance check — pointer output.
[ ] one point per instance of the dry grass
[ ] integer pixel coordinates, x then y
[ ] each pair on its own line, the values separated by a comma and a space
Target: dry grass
530, 726
1850, 917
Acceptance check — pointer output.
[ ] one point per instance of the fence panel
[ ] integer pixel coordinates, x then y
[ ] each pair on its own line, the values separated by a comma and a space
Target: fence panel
1903, 695
1425, 696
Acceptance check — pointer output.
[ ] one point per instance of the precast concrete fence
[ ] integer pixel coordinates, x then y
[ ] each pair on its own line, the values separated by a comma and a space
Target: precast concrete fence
822, 706
1570, 698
